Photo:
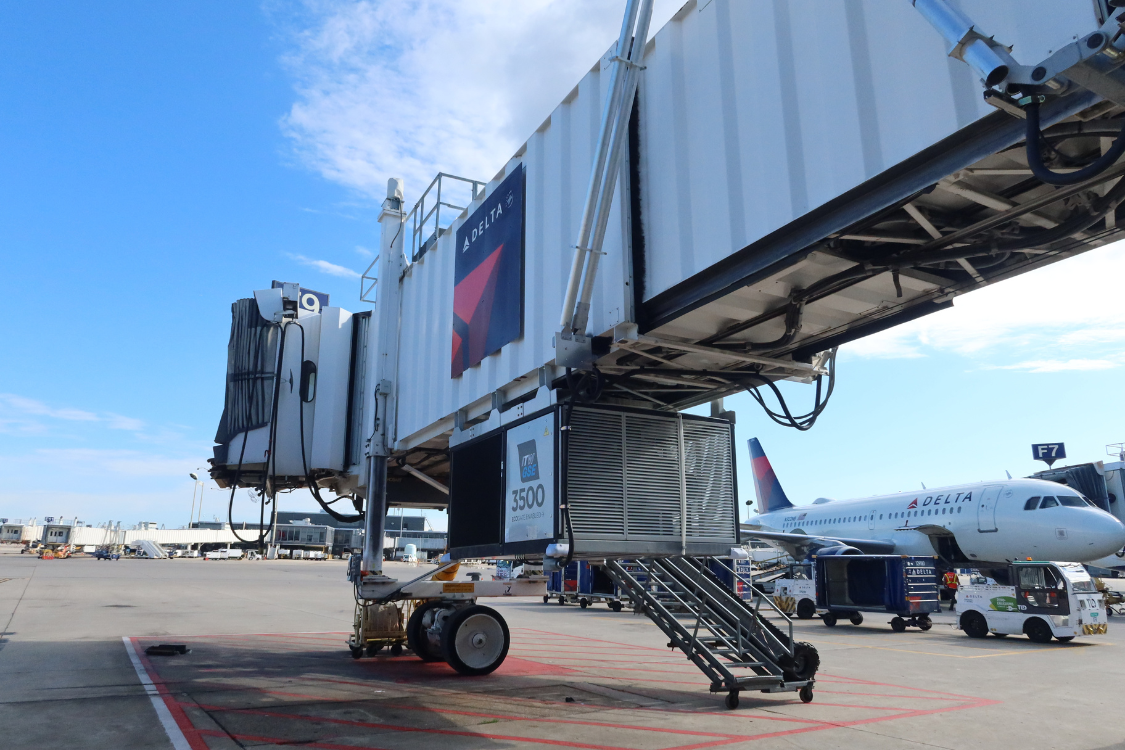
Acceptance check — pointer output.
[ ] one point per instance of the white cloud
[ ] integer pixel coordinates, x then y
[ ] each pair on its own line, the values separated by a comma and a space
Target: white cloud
363, 252
1068, 308
389, 89
38, 408
1059, 365
28, 415
325, 267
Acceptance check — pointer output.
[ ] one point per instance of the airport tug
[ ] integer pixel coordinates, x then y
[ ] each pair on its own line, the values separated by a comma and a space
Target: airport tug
1046, 600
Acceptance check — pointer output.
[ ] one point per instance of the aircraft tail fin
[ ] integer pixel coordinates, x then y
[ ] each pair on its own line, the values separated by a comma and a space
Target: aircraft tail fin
770, 495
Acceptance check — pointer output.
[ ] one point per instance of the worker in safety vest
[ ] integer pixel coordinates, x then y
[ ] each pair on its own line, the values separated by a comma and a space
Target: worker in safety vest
950, 581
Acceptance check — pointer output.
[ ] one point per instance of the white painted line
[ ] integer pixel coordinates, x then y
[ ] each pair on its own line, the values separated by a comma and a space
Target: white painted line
179, 741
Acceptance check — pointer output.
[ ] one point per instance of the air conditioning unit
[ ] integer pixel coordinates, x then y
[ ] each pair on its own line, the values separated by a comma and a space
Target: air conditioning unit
622, 482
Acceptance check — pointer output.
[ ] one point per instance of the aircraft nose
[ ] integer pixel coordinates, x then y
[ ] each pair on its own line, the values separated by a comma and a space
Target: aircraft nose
1105, 536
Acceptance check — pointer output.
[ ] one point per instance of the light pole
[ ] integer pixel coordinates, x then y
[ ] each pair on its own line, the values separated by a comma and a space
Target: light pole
201, 486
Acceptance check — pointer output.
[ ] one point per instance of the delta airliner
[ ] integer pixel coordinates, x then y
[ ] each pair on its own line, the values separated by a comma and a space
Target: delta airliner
982, 525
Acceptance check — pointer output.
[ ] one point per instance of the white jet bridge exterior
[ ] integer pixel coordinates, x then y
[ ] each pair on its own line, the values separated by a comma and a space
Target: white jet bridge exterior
713, 209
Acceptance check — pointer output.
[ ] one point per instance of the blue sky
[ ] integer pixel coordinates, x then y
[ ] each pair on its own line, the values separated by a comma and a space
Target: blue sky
161, 161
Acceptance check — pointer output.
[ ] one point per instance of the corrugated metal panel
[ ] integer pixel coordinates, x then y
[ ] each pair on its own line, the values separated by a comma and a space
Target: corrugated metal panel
557, 160
756, 112
751, 115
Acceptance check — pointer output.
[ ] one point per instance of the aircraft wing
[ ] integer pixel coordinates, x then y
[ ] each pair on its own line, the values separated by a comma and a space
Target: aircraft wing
800, 545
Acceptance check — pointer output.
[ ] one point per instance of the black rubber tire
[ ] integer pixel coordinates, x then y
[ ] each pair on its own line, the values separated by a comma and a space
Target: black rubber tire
562, 600
806, 694
806, 609
829, 620
449, 637
802, 665
374, 648
732, 700
1038, 630
546, 598
925, 623
898, 625
414, 638
856, 618
615, 606
357, 652
1064, 638
583, 603
974, 624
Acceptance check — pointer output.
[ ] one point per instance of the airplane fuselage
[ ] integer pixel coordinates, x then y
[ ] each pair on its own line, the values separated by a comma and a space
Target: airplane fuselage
991, 522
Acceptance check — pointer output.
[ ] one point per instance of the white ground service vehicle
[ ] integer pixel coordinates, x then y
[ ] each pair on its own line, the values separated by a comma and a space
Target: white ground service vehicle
796, 595
1045, 600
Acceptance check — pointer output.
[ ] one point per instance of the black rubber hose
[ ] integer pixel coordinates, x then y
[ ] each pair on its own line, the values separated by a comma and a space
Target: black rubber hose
269, 447
1040, 170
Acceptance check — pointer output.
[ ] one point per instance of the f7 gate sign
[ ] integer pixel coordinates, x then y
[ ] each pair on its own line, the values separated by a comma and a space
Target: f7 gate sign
1048, 452
488, 276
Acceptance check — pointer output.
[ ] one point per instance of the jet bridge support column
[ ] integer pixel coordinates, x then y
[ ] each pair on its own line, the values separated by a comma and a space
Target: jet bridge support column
383, 366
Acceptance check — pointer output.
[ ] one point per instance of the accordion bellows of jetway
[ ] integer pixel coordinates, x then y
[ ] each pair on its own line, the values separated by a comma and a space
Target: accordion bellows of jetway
795, 175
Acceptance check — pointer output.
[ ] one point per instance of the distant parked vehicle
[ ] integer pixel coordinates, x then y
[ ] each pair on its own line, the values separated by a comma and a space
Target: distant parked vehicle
104, 554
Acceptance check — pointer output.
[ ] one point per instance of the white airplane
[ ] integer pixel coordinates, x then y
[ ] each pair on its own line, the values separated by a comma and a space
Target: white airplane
981, 525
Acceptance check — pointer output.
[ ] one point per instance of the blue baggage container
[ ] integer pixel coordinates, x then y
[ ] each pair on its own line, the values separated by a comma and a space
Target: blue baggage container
849, 585
726, 568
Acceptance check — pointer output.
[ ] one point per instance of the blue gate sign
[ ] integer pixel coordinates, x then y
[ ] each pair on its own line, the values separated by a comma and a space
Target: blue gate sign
1048, 452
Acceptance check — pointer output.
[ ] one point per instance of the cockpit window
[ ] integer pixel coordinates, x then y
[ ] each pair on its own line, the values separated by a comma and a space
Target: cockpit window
1049, 502
1032, 503
1071, 501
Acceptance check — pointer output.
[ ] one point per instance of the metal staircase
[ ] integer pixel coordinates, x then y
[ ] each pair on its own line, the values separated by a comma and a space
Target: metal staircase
732, 642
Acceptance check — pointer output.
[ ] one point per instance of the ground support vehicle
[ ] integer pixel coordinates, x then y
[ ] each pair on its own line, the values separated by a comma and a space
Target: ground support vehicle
105, 554
849, 585
583, 583
443, 621
1046, 600
795, 596
1114, 600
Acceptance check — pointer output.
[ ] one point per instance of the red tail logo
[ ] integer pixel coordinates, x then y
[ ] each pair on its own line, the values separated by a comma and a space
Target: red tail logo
913, 504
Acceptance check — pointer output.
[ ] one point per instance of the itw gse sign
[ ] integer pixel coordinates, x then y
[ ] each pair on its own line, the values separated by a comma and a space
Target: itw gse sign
529, 481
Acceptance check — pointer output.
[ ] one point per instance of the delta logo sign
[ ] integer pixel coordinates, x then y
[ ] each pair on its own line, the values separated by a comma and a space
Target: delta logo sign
488, 276
941, 500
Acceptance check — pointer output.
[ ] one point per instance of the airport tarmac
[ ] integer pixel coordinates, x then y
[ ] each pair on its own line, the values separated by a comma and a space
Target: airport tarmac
268, 668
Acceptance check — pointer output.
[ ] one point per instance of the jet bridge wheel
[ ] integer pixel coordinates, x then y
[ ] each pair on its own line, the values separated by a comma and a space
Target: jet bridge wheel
416, 638
475, 640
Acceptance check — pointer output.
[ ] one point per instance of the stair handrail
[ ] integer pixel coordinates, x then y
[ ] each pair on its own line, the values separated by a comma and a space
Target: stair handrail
761, 596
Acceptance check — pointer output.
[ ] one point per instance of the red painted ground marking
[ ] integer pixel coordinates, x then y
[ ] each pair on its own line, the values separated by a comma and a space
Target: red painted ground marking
280, 741
175, 707
888, 695
726, 739
548, 720
182, 721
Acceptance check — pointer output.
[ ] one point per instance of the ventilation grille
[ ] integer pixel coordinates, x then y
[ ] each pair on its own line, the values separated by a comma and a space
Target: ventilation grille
710, 480
595, 478
652, 450
627, 480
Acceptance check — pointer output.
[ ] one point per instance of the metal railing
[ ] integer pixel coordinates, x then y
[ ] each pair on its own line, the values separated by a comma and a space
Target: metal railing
424, 221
